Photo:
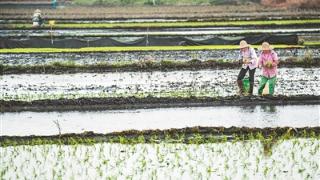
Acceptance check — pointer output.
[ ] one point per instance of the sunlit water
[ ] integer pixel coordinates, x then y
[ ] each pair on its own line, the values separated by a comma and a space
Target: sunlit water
41, 123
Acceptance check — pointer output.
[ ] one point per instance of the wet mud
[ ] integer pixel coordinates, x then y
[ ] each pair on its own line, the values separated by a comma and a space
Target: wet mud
151, 102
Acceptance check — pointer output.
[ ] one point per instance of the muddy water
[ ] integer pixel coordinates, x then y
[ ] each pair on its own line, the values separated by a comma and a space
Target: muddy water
291, 81
41, 123
114, 57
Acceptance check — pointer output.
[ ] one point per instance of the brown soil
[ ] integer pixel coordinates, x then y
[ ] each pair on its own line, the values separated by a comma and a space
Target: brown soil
185, 12
292, 3
151, 102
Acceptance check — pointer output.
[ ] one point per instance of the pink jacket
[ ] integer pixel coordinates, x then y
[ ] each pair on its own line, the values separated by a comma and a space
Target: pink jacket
251, 54
264, 57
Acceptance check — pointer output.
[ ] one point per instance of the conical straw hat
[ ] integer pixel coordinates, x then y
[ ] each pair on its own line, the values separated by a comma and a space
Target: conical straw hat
244, 44
266, 46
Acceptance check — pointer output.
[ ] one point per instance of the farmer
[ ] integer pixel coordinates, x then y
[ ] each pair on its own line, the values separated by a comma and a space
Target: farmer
248, 59
268, 61
37, 19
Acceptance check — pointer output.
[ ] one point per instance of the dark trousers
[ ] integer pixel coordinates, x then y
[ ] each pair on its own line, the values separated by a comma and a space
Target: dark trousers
241, 75
243, 72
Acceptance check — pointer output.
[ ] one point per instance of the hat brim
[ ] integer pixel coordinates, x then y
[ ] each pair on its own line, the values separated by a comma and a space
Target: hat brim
241, 47
266, 49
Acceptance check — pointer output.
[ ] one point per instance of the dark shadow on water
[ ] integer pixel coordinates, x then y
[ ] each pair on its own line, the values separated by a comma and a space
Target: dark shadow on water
248, 109
269, 114
269, 109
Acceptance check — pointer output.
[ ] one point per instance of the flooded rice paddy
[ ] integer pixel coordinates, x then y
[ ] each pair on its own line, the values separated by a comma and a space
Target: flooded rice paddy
211, 83
120, 57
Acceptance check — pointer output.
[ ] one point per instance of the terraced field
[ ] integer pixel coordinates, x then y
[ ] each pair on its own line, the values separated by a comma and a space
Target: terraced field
157, 112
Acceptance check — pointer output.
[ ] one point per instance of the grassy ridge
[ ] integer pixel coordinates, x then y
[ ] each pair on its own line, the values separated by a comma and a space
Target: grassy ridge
312, 43
170, 24
136, 48
193, 135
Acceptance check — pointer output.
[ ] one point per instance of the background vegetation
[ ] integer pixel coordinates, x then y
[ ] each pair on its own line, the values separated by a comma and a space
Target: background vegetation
160, 2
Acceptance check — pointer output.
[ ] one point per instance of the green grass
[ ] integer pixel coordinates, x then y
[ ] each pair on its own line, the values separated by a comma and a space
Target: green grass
171, 24
193, 135
137, 48
312, 43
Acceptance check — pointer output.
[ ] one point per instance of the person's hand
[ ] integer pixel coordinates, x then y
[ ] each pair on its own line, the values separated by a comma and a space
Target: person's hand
268, 64
245, 60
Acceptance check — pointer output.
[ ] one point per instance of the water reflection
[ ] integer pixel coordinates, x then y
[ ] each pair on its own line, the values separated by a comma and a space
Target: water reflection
269, 109
248, 109
27, 123
269, 114
252, 115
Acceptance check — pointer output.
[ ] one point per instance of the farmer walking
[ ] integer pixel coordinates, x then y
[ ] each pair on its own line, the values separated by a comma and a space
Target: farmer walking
268, 61
248, 59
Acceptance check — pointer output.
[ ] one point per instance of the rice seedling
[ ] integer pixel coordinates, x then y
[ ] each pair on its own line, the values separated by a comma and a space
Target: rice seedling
132, 49
173, 24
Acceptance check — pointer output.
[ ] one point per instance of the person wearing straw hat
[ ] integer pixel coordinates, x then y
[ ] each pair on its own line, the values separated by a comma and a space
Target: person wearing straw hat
37, 18
248, 59
268, 61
